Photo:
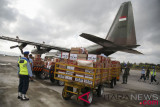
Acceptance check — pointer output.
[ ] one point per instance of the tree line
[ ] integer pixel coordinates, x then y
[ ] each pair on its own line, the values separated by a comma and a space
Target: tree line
140, 65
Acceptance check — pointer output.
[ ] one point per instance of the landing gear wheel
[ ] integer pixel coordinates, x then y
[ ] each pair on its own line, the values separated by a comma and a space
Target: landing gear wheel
67, 95
89, 99
60, 83
42, 75
51, 76
112, 84
100, 90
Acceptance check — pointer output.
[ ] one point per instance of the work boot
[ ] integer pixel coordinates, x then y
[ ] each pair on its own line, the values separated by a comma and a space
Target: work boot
24, 98
19, 95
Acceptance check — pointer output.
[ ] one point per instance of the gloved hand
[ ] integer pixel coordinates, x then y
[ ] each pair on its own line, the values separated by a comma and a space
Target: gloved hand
31, 78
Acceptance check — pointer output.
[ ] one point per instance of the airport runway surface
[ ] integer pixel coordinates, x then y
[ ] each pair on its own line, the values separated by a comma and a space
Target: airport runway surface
43, 93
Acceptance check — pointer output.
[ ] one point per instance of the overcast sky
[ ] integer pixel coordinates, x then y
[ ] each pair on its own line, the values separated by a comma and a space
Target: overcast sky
60, 22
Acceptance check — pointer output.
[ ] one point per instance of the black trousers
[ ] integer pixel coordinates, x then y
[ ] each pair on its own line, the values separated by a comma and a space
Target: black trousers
125, 78
147, 76
143, 76
153, 78
23, 84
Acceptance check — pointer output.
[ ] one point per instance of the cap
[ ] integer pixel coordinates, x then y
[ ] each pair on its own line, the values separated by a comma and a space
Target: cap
26, 52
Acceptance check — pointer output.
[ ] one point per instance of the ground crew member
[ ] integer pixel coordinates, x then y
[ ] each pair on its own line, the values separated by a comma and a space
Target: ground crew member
142, 74
153, 76
125, 74
147, 74
31, 63
24, 72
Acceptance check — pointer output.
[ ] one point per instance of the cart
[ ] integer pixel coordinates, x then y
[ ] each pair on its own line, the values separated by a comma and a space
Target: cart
78, 82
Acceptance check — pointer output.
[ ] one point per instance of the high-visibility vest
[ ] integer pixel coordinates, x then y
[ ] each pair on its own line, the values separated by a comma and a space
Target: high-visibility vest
23, 67
153, 71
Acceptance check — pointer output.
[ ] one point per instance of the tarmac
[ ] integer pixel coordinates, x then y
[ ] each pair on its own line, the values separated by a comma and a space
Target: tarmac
43, 93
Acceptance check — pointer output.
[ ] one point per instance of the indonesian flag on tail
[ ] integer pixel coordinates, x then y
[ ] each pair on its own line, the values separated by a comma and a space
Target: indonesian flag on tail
123, 18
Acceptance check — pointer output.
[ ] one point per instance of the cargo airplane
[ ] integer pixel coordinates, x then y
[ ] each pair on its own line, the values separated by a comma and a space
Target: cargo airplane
121, 37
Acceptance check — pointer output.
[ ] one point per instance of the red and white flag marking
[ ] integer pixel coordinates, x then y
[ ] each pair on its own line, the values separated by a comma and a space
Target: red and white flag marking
123, 18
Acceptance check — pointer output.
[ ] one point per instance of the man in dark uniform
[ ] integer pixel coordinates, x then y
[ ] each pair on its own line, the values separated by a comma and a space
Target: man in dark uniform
24, 72
125, 74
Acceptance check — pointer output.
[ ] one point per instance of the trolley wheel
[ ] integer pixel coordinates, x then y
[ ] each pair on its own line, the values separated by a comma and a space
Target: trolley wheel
112, 83
68, 95
51, 76
60, 83
115, 81
90, 98
100, 90
42, 75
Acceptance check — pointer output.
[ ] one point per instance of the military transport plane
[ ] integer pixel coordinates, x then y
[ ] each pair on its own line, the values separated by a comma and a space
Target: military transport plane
121, 37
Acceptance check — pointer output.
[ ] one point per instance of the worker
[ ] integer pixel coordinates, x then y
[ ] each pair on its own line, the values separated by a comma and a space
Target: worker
153, 76
24, 72
125, 74
31, 63
142, 74
147, 73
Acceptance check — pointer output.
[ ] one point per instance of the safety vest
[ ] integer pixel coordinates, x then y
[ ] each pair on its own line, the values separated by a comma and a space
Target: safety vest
23, 67
153, 71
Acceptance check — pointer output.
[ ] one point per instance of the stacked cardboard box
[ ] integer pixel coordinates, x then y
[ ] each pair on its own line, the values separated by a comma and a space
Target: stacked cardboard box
64, 55
79, 74
76, 51
63, 59
69, 73
75, 57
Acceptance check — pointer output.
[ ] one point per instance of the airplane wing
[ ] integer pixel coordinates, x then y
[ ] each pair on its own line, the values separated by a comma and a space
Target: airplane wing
109, 45
131, 51
33, 43
98, 40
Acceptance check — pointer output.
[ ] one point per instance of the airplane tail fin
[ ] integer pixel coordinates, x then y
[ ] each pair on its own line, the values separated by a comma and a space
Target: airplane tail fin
122, 31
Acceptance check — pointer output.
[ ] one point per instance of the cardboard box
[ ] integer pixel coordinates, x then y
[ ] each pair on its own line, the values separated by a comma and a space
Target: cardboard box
88, 81
91, 82
82, 56
95, 58
79, 69
62, 66
61, 76
79, 79
73, 62
62, 60
73, 56
69, 73
65, 55
76, 51
37, 56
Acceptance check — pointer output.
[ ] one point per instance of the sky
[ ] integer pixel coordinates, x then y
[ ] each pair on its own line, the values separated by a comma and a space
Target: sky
60, 22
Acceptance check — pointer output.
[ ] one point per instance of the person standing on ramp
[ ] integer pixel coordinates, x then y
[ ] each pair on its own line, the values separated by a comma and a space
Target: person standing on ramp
24, 72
